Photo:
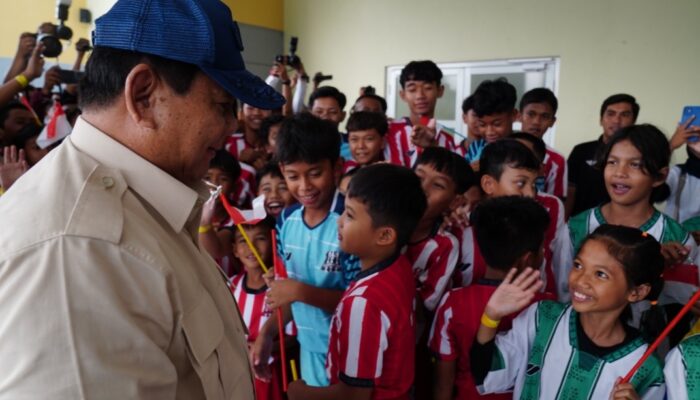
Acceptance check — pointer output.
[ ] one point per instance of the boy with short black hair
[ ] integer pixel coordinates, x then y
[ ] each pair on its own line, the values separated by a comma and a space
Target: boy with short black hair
434, 253
494, 105
444, 176
471, 120
557, 250
269, 128
271, 183
538, 109
318, 270
509, 231
366, 132
372, 333
421, 87
509, 168
328, 103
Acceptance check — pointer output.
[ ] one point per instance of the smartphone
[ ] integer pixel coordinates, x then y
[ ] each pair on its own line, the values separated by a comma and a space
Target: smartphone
688, 112
69, 76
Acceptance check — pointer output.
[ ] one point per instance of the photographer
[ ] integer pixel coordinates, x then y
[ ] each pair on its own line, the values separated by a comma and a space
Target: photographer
279, 79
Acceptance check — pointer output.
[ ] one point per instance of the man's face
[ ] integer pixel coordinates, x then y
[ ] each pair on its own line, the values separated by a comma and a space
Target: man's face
253, 116
421, 96
328, 108
496, 126
191, 128
17, 119
537, 118
616, 117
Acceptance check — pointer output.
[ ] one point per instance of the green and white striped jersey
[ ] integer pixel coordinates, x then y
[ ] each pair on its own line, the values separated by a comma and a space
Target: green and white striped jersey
539, 358
662, 227
682, 370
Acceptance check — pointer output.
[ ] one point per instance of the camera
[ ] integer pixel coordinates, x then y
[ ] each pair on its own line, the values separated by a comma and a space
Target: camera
319, 77
292, 59
50, 35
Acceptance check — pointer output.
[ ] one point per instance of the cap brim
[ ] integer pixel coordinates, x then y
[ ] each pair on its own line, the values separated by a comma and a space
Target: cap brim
246, 87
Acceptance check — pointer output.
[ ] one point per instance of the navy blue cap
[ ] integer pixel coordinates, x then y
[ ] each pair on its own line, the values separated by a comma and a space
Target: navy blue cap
199, 32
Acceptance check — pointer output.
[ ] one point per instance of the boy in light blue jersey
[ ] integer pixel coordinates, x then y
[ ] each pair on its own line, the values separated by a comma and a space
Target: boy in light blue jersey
308, 155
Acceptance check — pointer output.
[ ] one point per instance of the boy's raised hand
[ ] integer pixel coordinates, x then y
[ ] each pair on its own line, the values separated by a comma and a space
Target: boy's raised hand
514, 293
12, 165
424, 135
674, 253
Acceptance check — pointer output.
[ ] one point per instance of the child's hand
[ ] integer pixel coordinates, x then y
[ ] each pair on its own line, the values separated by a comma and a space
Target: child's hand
12, 166
259, 354
295, 390
459, 217
424, 135
674, 253
623, 391
208, 211
282, 292
514, 293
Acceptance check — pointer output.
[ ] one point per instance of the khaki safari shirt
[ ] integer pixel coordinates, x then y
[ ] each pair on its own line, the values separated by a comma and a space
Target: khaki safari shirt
104, 292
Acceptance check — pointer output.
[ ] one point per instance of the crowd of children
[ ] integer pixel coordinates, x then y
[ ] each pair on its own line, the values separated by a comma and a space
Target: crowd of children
418, 267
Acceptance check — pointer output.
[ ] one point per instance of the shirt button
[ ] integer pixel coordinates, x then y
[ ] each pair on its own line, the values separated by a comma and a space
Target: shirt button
107, 182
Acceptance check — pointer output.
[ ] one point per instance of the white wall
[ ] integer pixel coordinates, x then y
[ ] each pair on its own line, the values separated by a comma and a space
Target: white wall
647, 48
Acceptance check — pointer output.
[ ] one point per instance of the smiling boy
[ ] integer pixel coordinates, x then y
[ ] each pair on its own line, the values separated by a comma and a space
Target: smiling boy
372, 334
308, 155
421, 87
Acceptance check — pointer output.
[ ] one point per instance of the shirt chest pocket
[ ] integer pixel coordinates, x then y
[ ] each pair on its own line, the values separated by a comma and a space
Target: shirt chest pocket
204, 333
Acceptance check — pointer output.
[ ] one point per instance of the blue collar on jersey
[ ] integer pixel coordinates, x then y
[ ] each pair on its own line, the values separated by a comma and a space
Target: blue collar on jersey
380, 266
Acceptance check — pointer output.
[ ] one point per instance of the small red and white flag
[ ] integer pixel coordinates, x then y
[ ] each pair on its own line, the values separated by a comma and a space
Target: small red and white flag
56, 129
246, 217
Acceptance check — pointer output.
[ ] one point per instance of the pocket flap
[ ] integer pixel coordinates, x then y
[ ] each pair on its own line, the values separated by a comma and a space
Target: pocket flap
204, 329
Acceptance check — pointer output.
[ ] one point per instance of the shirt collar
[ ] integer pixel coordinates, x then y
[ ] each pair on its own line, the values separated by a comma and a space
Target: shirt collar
380, 266
174, 200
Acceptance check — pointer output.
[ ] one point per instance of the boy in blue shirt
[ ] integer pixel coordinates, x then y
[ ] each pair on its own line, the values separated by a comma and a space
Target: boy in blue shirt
308, 156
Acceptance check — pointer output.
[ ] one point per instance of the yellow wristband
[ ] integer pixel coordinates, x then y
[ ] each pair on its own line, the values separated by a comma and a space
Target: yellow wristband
204, 228
488, 322
22, 80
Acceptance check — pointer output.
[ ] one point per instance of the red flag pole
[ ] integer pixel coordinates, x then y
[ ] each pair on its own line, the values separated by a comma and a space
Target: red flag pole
661, 337
280, 322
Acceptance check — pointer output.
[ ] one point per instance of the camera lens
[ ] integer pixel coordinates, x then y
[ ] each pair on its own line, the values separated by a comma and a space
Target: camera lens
52, 46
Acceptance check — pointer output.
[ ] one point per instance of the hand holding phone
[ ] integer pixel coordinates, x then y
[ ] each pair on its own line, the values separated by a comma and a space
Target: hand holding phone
691, 120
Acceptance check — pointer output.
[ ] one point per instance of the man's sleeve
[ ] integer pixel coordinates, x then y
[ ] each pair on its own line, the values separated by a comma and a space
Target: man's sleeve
363, 340
83, 318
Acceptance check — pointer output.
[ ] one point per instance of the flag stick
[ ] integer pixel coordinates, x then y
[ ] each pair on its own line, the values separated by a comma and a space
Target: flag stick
661, 337
294, 370
280, 322
230, 212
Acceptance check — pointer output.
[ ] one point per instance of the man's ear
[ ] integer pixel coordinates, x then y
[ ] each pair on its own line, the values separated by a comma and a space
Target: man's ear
441, 91
343, 114
338, 169
402, 95
386, 236
516, 115
139, 88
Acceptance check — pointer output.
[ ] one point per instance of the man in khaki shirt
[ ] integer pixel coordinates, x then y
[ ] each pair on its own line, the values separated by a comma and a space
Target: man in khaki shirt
104, 291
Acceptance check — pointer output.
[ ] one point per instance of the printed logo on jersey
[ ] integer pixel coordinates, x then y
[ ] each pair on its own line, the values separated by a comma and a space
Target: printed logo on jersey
332, 262
288, 255
532, 369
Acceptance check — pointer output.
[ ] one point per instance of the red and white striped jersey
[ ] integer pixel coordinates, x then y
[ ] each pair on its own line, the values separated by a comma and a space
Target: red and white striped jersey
372, 335
555, 175
454, 328
401, 151
433, 261
251, 304
557, 252
236, 143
